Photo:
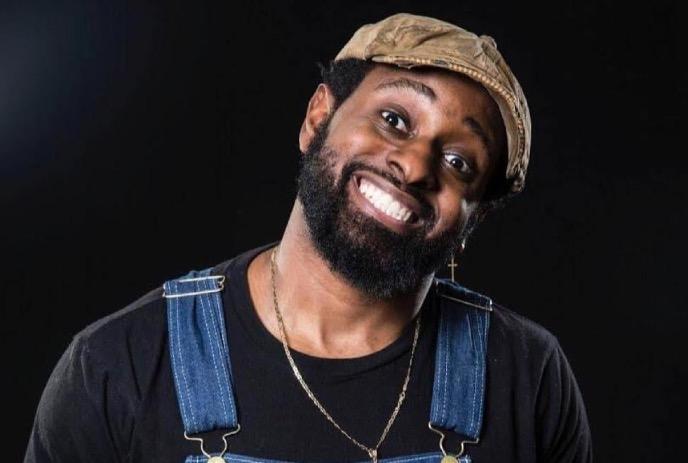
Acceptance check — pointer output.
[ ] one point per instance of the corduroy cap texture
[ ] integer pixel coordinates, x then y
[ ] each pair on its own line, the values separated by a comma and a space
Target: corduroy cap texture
408, 41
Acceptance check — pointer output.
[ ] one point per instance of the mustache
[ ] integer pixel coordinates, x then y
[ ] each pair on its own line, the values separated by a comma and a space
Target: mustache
427, 212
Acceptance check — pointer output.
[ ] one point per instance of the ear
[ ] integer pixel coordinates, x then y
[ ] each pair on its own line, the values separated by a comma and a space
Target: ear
319, 108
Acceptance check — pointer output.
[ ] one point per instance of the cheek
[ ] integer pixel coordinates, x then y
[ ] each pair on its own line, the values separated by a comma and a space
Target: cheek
356, 137
454, 211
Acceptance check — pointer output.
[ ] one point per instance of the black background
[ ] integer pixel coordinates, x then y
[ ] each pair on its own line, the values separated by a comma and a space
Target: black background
139, 140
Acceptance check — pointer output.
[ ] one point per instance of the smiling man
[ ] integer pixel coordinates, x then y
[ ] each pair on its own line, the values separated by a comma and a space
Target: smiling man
338, 344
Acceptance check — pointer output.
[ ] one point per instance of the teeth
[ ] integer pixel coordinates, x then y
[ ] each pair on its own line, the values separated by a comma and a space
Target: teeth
384, 202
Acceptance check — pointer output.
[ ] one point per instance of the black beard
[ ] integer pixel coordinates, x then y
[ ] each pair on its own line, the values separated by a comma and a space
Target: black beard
374, 259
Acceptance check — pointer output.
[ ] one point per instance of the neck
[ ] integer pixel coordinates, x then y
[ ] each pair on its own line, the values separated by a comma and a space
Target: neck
324, 315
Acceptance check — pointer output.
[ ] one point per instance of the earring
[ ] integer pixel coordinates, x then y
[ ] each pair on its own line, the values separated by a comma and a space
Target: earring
452, 265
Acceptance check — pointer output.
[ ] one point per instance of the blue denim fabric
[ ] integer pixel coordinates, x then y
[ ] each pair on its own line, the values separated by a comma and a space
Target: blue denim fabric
459, 388
199, 353
202, 370
421, 458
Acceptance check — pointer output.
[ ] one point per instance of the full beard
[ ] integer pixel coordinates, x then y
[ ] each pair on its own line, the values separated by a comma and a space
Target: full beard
372, 258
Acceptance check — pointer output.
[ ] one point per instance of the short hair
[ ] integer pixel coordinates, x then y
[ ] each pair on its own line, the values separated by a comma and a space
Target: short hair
342, 77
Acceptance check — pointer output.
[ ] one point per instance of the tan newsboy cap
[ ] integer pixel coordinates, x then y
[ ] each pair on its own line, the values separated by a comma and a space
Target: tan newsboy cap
408, 40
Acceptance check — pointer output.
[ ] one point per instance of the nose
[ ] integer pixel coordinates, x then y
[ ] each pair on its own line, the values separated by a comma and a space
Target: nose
415, 163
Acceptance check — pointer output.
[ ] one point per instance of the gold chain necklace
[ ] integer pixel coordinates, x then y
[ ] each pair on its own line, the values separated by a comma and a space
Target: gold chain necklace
372, 452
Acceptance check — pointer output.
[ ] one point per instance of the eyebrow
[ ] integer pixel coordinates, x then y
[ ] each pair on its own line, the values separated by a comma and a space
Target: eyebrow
478, 130
409, 84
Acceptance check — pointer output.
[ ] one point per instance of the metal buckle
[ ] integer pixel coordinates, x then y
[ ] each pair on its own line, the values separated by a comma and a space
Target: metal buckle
220, 286
447, 457
217, 458
487, 308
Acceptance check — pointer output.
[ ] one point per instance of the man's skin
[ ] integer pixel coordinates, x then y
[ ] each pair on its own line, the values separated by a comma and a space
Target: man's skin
325, 316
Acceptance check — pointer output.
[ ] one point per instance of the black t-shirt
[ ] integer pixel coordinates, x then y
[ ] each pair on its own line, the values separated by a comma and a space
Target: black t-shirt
111, 397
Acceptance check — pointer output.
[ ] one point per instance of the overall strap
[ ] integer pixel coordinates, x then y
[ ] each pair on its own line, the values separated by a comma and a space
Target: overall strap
199, 352
460, 363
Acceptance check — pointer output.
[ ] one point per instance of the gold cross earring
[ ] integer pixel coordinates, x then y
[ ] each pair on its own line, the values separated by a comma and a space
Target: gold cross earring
452, 264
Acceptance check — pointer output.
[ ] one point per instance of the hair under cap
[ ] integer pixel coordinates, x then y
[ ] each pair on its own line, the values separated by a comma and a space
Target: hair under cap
408, 40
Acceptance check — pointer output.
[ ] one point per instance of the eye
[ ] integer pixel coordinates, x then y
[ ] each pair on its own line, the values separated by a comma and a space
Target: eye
394, 120
458, 163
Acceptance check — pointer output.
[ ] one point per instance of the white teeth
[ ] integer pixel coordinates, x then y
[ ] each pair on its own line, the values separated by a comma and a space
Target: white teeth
378, 196
389, 210
384, 202
396, 210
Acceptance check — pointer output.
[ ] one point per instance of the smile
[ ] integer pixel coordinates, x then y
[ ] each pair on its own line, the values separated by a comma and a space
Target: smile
384, 202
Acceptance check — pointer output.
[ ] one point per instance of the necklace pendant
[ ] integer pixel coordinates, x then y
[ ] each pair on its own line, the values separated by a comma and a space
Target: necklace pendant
449, 459
216, 460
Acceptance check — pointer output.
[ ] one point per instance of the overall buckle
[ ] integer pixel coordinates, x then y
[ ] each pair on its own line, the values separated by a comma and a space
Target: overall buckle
217, 458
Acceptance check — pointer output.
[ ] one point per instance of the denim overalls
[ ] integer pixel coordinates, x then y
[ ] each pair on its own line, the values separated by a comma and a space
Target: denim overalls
203, 375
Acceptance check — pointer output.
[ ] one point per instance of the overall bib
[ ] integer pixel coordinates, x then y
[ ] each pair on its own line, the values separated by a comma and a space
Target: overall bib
203, 375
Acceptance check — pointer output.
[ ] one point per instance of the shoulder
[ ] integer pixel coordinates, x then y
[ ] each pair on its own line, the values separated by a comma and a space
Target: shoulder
141, 313
529, 377
522, 332
139, 324
136, 334
508, 329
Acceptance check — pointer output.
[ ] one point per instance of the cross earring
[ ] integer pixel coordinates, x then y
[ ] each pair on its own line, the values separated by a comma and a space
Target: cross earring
452, 264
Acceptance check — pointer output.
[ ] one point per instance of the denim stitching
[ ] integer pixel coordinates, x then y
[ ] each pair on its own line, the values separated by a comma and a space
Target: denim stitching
170, 321
247, 459
204, 312
475, 374
435, 404
189, 396
483, 347
218, 322
446, 353
181, 363
440, 377
405, 459
218, 306
479, 368
479, 379
174, 340
222, 385
225, 361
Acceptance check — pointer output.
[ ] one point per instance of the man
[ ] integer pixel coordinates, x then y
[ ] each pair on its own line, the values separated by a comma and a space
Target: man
337, 344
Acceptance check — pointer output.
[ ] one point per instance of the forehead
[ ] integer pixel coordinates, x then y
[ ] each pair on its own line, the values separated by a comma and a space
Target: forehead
442, 88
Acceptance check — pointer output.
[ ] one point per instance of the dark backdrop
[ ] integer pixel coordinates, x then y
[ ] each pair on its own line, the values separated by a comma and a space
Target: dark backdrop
121, 120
